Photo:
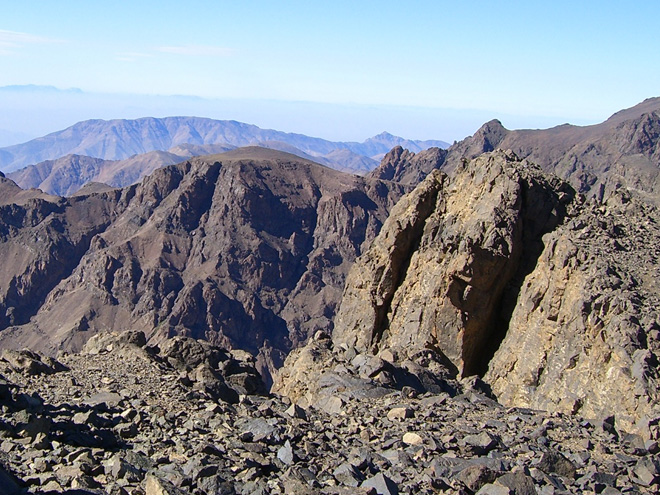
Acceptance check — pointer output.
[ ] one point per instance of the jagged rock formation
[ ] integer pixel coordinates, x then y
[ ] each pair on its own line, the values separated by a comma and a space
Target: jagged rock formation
503, 251
248, 249
446, 259
404, 166
125, 417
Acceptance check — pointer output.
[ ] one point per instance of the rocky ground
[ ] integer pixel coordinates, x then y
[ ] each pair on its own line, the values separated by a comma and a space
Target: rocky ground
125, 418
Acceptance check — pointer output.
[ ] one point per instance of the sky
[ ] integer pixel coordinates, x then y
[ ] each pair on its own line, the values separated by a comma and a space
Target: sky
340, 70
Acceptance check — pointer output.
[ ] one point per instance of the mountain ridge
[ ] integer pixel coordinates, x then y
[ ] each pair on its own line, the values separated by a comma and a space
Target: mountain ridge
121, 138
622, 151
248, 248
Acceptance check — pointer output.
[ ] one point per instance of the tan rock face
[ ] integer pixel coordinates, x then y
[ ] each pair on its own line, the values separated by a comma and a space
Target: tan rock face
437, 275
583, 337
556, 315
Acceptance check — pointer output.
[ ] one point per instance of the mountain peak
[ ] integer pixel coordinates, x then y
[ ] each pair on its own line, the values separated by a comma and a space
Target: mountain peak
383, 134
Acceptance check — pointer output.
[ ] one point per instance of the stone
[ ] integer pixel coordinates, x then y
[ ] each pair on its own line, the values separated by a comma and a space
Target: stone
399, 413
118, 468
554, 462
652, 446
476, 476
481, 443
382, 484
411, 438
331, 405
103, 400
518, 483
647, 472
156, 486
285, 453
493, 489
348, 475
295, 411
29, 362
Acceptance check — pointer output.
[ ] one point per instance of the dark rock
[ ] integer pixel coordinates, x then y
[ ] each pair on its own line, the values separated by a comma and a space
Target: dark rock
118, 468
185, 352
8, 484
348, 475
382, 484
295, 411
137, 338
480, 444
518, 483
30, 363
476, 476
554, 462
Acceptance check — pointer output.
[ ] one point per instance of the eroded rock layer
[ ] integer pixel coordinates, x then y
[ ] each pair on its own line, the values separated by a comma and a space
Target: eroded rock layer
247, 249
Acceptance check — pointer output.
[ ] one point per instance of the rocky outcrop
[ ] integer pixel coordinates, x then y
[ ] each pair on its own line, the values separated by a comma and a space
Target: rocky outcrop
327, 377
442, 271
502, 272
404, 166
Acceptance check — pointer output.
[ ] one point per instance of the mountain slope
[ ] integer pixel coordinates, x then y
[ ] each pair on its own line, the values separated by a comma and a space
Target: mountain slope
120, 139
623, 151
66, 175
248, 248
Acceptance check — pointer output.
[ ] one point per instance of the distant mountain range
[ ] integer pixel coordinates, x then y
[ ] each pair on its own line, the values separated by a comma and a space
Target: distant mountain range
121, 139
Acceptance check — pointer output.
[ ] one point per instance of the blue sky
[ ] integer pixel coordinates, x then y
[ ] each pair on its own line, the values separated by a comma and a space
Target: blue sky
431, 69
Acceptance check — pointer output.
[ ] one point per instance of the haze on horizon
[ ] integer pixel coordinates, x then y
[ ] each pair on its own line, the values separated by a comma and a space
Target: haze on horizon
340, 70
